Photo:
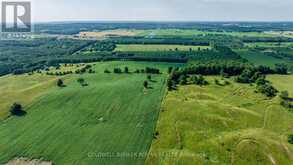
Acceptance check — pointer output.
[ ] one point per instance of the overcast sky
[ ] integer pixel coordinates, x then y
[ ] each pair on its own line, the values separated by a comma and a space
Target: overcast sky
163, 10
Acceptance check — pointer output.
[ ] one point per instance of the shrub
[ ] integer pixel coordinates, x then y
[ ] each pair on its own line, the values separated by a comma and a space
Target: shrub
152, 70
91, 71
146, 84
80, 80
261, 81
170, 84
106, 71
290, 139
117, 70
126, 70
149, 77
60, 83
183, 80
268, 90
284, 95
286, 104
217, 82
198, 80
16, 110
170, 70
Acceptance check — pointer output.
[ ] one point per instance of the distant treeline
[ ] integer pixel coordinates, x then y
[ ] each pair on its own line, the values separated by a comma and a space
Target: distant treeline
143, 40
20, 56
266, 39
76, 27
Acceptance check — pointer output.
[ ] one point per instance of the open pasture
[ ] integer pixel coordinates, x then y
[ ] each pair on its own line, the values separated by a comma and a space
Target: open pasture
221, 125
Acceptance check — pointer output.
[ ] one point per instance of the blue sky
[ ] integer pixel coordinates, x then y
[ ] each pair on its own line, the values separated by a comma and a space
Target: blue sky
163, 10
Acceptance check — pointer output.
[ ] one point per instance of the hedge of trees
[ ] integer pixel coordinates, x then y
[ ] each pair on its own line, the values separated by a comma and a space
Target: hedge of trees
147, 70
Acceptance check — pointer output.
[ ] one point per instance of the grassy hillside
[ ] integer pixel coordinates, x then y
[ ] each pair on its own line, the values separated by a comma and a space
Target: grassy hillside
76, 124
221, 125
146, 48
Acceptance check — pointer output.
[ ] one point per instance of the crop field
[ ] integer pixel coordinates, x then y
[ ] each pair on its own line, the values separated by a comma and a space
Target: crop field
259, 58
152, 48
114, 114
221, 125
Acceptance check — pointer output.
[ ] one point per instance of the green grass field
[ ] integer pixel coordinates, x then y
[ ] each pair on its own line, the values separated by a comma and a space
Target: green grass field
282, 82
149, 48
221, 125
259, 58
113, 119
76, 124
24, 89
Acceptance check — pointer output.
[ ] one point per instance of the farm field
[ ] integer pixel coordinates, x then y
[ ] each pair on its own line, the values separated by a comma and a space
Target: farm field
194, 32
24, 89
147, 48
107, 33
112, 111
113, 114
221, 125
282, 82
259, 58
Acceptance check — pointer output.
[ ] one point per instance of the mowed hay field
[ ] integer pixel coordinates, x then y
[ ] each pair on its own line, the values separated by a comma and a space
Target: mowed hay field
221, 125
88, 125
152, 48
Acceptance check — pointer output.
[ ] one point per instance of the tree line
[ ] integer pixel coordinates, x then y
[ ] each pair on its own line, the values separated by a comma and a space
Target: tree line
147, 70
